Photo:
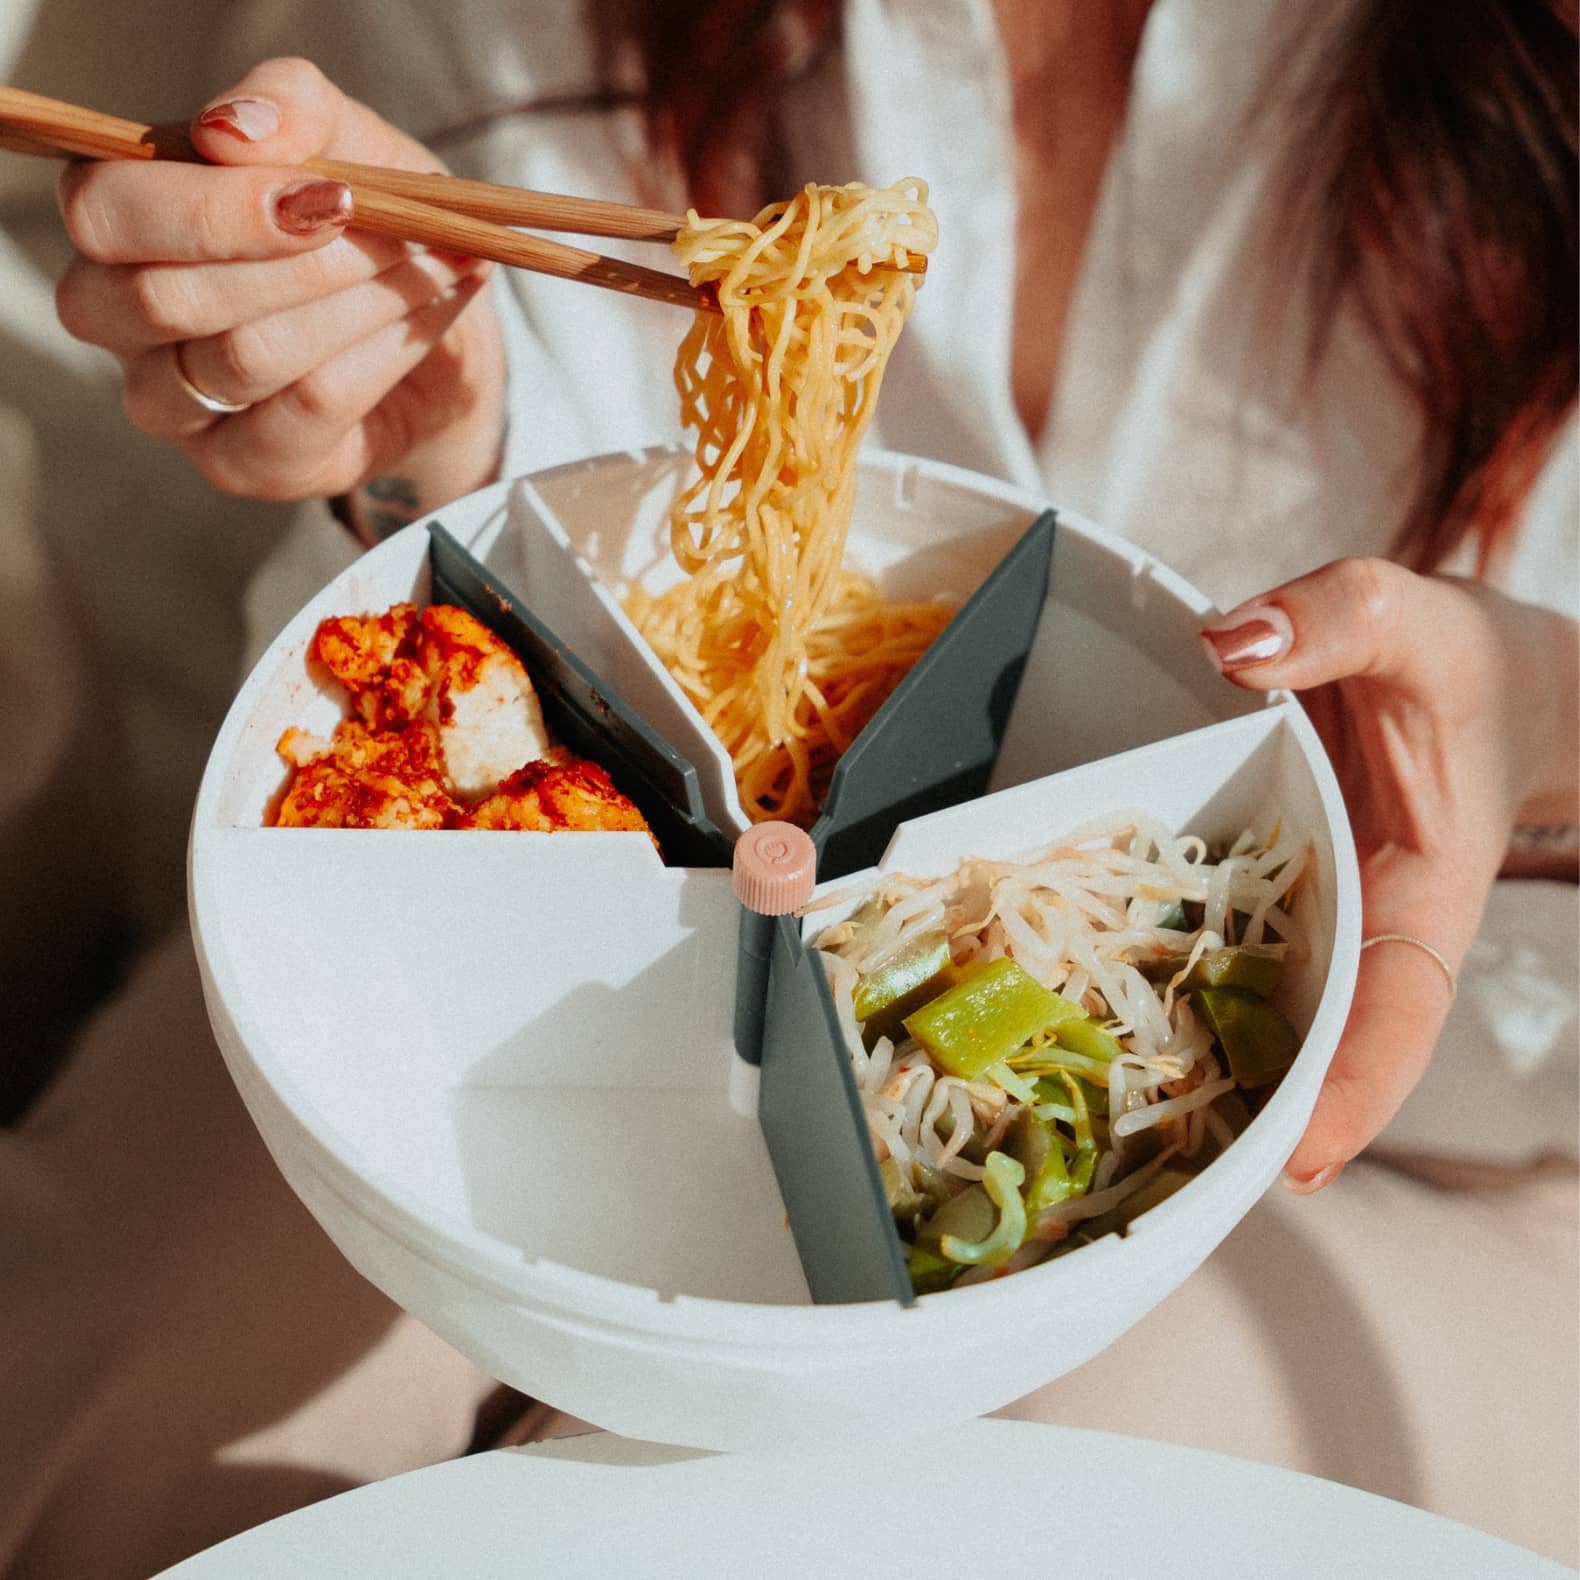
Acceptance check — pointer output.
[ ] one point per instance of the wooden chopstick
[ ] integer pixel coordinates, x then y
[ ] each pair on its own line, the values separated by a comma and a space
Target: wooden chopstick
510, 205
405, 218
521, 206
404, 204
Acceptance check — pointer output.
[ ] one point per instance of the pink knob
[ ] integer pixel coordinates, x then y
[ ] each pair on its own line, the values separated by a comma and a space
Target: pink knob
774, 869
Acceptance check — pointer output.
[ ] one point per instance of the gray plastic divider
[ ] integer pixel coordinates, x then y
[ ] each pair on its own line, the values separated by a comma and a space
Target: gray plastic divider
932, 744
935, 740
584, 712
816, 1133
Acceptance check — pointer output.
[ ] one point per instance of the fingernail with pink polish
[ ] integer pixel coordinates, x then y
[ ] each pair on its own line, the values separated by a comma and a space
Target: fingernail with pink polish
308, 206
252, 120
1308, 1184
1256, 634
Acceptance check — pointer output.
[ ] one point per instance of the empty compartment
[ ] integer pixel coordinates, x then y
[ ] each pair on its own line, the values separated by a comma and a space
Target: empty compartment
530, 1034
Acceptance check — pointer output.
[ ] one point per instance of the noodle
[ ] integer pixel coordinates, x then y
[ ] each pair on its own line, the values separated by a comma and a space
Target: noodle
785, 653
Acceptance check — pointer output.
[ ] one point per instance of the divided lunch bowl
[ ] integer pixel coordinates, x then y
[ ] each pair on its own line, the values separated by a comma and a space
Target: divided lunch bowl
499, 1068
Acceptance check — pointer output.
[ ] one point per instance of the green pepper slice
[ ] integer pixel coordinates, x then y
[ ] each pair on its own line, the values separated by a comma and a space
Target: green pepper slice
1051, 1183
900, 981
987, 1017
1051, 1089
931, 1270
1256, 1039
1034, 1144
1250, 966
1086, 1036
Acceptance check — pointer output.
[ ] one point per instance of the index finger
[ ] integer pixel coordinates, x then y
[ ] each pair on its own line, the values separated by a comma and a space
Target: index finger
1363, 618
125, 211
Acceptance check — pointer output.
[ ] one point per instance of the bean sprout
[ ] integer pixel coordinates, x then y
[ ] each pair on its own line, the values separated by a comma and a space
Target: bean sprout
1091, 917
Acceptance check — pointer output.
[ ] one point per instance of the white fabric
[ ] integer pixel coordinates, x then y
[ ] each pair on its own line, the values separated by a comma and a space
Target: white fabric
1174, 421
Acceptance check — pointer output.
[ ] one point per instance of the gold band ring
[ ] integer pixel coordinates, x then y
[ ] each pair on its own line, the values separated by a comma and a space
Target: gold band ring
1425, 948
226, 408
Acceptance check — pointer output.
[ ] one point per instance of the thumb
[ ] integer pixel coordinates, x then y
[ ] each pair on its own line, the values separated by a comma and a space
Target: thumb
286, 111
1352, 618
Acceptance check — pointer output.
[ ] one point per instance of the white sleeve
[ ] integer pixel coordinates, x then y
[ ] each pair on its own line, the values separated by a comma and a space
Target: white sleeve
1545, 567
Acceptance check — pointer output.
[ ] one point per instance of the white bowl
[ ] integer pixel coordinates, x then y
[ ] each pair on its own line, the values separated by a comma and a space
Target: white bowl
495, 1067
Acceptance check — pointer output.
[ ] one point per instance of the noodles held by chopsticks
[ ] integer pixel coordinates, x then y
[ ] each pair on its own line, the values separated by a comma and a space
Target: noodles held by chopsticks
784, 652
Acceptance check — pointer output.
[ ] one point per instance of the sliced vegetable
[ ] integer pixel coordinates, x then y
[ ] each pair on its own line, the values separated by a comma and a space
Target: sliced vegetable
1047, 1166
1051, 1089
1086, 1147
1035, 1145
931, 1270
904, 1201
1001, 1075
1002, 1184
985, 1018
1254, 967
968, 1215
1051, 1183
904, 979
1086, 1036
1256, 1039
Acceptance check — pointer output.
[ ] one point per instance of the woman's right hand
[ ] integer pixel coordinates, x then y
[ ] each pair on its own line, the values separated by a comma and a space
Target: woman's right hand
357, 356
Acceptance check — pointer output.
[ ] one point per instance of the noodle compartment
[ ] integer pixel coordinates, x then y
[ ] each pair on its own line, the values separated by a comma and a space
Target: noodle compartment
785, 650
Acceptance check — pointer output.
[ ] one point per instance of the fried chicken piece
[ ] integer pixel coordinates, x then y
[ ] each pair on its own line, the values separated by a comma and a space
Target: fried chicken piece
444, 715
375, 658
548, 797
447, 667
360, 779
480, 699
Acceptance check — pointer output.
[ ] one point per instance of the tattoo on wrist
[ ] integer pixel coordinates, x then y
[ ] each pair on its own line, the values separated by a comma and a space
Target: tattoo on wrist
390, 503
1552, 837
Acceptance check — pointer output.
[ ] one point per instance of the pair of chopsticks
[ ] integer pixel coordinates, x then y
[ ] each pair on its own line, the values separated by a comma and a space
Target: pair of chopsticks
473, 217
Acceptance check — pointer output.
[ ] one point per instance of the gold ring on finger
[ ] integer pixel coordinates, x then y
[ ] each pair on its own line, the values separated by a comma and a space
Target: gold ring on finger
226, 408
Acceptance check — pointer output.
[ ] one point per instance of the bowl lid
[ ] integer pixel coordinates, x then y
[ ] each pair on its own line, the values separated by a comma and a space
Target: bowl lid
598, 1504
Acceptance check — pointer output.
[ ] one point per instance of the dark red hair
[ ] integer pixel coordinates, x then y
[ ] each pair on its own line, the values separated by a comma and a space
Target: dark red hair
710, 76
1433, 186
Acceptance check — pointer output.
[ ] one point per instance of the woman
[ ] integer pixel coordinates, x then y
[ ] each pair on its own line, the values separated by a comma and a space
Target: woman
1144, 351
366, 373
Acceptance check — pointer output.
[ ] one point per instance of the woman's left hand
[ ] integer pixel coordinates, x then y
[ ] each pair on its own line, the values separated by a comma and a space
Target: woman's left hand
1447, 710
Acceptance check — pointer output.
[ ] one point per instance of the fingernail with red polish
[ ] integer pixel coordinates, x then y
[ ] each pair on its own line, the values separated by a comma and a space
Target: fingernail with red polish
1308, 1184
251, 120
308, 206
1256, 634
